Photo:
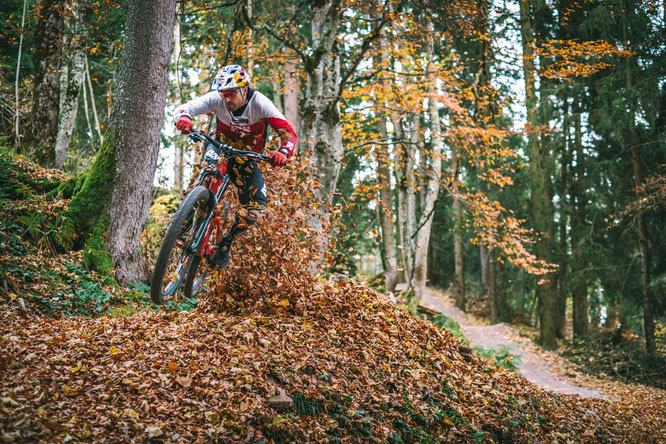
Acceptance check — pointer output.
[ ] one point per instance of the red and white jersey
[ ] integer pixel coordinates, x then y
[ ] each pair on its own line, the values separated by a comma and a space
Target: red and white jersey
248, 127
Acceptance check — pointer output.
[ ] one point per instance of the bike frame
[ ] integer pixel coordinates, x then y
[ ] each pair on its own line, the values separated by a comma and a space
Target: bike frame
217, 186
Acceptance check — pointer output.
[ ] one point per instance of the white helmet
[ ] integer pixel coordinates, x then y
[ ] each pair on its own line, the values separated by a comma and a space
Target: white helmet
230, 77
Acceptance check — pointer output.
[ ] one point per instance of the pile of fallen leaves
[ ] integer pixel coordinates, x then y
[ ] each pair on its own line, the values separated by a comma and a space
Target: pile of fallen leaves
273, 261
356, 368
344, 364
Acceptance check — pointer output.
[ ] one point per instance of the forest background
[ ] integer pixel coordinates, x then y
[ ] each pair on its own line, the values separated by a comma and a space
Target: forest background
510, 152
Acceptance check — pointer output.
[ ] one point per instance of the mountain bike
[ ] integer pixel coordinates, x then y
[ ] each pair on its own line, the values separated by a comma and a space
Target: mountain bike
197, 225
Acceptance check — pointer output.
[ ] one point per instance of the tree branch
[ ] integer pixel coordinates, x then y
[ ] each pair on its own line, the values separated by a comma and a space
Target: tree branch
365, 45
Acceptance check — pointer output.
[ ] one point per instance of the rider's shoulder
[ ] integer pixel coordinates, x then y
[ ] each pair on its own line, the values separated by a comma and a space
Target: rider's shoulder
263, 103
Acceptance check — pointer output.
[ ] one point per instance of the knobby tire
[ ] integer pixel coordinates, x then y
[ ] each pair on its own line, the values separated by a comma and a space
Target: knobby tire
199, 195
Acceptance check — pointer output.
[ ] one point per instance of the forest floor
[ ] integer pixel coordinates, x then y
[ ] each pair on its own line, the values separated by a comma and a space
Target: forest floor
546, 369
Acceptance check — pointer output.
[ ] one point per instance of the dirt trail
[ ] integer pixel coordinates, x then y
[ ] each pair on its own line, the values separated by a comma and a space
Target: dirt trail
536, 365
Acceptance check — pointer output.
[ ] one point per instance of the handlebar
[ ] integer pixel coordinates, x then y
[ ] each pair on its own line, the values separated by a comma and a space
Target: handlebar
229, 151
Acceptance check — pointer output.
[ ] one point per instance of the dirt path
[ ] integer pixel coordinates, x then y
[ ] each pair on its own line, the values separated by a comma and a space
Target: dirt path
536, 365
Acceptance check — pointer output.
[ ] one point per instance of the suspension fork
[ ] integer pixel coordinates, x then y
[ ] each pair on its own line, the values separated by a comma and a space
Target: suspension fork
217, 189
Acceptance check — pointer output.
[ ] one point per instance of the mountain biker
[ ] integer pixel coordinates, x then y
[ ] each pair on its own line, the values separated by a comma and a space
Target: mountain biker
242, 115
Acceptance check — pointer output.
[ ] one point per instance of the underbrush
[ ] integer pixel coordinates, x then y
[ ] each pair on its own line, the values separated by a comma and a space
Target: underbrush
617, 356
34, 276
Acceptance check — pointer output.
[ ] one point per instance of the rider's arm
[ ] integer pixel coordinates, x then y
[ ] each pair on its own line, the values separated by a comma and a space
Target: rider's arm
286, 132
278, 122
208, 103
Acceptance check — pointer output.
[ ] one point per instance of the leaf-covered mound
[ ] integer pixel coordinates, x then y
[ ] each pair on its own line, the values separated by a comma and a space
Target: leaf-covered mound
356, 367
32, 274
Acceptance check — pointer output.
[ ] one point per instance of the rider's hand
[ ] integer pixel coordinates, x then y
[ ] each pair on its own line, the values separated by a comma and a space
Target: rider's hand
184, 124
279, 157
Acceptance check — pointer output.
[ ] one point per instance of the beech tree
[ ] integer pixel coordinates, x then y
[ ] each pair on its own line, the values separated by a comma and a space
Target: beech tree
43, 127
112, 205
77, 72
327, 77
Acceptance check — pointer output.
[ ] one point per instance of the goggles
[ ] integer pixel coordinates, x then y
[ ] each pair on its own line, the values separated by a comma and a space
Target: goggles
229, 93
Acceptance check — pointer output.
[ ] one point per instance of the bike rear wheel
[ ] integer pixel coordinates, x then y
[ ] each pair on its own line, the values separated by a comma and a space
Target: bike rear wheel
176, 256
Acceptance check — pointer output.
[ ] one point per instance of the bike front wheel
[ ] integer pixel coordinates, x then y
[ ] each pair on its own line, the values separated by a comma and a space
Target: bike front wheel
176, 254
200, 267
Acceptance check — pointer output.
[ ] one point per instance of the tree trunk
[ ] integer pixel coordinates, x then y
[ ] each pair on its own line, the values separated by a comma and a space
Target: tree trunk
540, 187
179, 151
113, 203
321, 128
492, 288
92, 104
17, 133
140, 101
385, 207
641, 229
70, 103
579, 291
458, 251
292, 95
406, 199
563, 276
46, 97
433, 163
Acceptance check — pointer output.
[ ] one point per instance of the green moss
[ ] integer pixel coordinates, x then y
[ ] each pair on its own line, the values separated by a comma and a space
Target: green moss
64, 234
65, 190
86, 221
95, 255
90, 202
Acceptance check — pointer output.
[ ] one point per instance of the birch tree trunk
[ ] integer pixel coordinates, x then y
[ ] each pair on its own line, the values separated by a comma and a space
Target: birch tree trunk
429, 198
385, 207
47, 58
92, 103
17, 133
432, 170
407, 199
540, 187
70, 103
292, 95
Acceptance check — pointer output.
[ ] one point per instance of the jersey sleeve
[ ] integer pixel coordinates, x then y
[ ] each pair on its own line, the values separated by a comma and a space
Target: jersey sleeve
208, 103
286, 133
279, 123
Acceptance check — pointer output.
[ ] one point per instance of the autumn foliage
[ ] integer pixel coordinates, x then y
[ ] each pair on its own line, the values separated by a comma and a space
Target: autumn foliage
356, 367
272, 263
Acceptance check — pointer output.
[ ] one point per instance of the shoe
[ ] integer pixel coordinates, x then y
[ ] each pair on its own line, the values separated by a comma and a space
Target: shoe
220, 254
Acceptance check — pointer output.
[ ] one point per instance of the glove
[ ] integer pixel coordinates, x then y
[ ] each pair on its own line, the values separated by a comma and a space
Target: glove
279, 157
184, 124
